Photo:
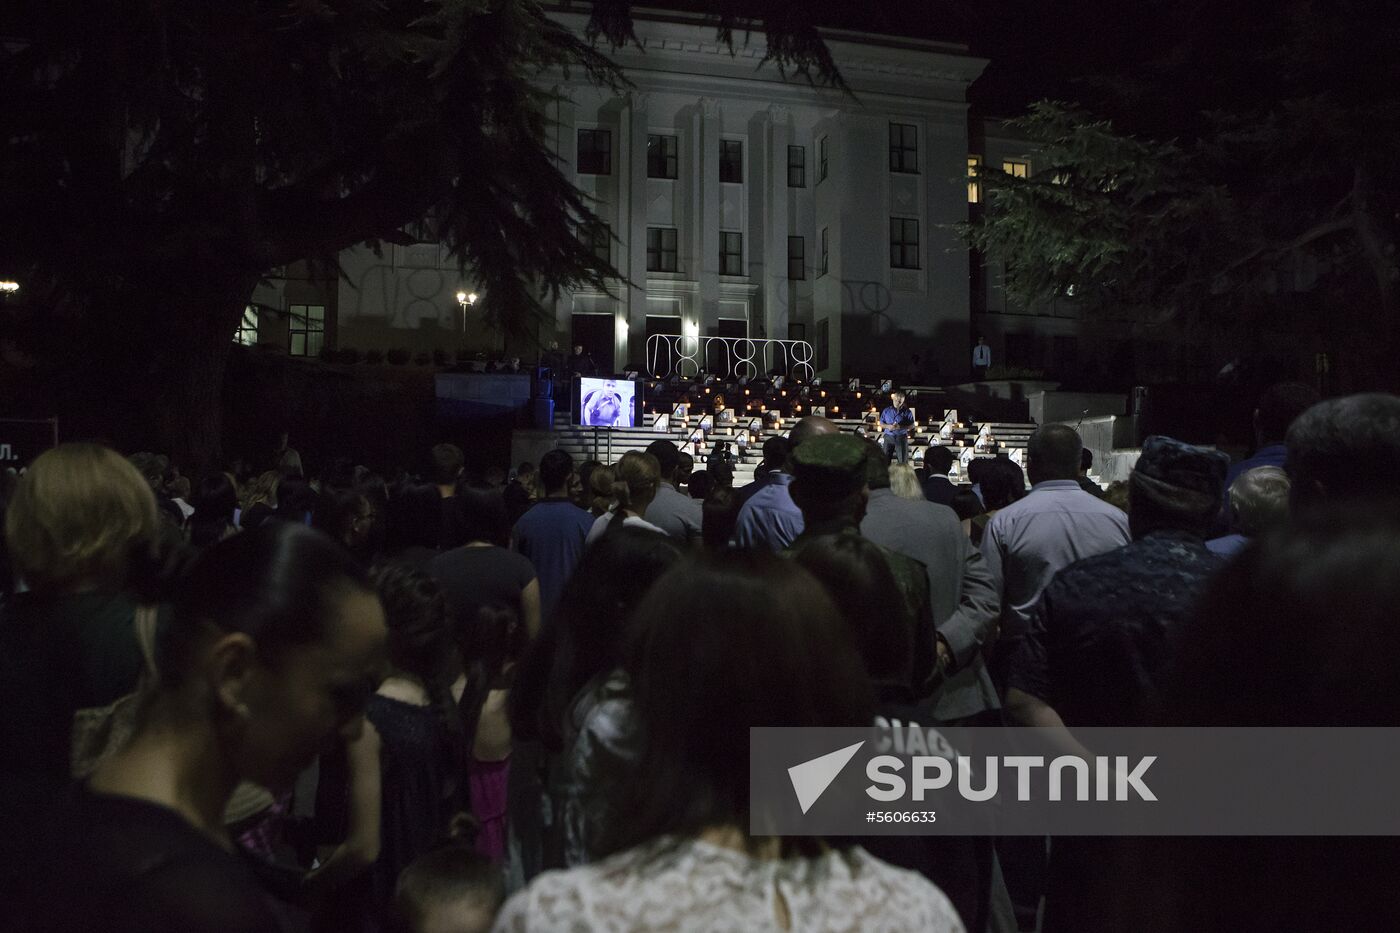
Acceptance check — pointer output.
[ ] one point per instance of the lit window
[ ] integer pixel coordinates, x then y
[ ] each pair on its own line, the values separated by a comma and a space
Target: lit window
904, 243
731, 253
974, 187
821, 160
904, 148
797, 166
731, 161
662, 156
247, 333
595, 152
797, 258
308, 329
826, 252
1016, 169
661, 249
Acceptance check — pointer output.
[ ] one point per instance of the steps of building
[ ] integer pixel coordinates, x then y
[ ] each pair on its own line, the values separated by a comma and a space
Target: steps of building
609, 444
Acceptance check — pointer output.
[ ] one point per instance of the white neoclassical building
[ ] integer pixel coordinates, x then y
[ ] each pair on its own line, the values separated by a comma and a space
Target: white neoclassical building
743, 204
738, 202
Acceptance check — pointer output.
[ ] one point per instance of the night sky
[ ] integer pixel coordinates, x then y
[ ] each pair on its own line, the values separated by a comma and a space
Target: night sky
1153, 65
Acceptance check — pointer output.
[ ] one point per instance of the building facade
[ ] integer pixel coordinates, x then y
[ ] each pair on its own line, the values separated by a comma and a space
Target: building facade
737, 202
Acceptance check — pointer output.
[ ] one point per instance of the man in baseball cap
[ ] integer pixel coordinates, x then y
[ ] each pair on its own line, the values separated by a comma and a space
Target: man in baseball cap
829, 486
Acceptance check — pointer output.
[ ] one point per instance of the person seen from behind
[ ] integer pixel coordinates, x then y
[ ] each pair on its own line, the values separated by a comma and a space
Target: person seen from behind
781, 655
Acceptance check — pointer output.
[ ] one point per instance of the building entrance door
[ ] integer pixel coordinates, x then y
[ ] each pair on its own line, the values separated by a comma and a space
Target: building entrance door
595, 332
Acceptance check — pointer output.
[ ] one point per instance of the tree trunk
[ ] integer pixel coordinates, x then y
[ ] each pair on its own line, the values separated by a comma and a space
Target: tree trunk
152, 373
189, 413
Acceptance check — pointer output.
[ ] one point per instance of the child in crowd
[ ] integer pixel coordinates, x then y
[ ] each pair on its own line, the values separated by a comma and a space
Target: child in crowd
394, 793
600, 483
451, 890
489, 644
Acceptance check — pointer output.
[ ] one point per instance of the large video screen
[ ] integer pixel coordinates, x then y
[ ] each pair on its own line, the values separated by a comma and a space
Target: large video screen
607, 403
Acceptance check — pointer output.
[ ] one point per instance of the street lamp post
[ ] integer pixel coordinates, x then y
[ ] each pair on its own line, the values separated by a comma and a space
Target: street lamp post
465, 299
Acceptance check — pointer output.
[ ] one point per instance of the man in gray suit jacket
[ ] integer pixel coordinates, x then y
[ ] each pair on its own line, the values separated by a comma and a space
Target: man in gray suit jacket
965, 601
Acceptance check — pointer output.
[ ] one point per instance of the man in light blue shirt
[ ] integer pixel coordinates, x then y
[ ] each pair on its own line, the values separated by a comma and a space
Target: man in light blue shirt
1056, 524
673, 511
770, 520
552, 531
896, 422
981, 359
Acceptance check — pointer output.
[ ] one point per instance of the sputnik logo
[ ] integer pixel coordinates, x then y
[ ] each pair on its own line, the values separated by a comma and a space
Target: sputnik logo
810, 779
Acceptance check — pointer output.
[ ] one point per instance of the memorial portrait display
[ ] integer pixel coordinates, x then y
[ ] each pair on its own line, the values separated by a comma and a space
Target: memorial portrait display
607, 403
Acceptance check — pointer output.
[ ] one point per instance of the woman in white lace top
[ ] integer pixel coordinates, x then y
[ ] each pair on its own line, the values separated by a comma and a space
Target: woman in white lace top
776, 655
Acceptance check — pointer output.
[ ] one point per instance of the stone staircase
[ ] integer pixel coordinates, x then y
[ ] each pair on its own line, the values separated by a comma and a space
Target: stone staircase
609, 444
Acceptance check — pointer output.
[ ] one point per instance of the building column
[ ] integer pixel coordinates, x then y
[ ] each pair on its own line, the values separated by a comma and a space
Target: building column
565, 141
778, 293
632, 232
708, 216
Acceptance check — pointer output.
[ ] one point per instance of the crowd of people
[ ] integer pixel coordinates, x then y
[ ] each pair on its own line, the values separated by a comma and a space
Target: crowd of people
321, 697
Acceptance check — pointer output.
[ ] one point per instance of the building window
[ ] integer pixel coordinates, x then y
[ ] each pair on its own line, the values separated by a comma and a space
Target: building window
662, 156
731, 253
826, 253
904, 243
797, 166
661, 249
731, 161
1020, 350
598, 240
1066, 353
595, 152
247, 333
974, 187
821, 160
308, 329
663, 324
1016, 169
823, 344
904, 148
732, 328
797, 258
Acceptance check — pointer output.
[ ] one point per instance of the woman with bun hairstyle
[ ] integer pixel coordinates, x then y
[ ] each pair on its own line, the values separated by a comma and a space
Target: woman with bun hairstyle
275, 643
